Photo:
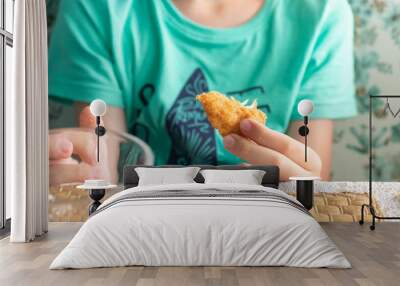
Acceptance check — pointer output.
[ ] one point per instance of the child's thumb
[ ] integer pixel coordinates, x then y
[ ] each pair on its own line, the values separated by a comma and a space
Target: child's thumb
86, 118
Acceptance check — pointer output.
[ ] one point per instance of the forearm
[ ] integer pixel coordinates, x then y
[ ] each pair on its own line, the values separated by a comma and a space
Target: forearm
113, 119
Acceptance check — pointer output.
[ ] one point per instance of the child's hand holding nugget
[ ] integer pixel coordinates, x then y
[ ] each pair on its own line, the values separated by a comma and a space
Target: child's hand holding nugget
238, 123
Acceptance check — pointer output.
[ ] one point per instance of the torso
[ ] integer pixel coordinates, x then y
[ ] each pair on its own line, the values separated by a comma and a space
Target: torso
163, 55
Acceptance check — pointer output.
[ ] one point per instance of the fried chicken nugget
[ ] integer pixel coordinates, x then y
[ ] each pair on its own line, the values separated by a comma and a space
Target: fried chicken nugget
226, 113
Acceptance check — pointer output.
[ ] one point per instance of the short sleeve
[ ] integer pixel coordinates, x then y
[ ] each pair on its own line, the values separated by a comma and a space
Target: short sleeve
329, 77
80, 61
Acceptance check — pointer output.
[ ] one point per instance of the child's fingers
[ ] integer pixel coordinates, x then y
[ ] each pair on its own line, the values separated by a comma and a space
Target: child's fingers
259, 155
60, 147
282, 143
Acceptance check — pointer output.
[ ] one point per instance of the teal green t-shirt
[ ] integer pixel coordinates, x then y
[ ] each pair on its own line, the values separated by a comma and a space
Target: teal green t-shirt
149, 59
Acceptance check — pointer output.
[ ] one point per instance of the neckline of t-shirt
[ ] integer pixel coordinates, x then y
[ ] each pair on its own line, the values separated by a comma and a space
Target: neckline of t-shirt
199, 32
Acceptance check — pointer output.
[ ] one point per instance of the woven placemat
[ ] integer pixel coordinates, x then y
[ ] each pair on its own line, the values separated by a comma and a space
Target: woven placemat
341, 207
69, 204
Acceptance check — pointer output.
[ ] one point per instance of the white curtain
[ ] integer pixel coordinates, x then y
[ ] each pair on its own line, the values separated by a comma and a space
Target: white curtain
27, 124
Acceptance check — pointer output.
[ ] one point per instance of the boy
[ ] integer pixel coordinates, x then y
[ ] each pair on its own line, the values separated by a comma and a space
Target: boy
149, 59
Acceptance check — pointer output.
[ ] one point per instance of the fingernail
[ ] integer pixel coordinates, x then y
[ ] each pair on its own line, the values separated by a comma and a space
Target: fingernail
245, 125
65, 146
229, 141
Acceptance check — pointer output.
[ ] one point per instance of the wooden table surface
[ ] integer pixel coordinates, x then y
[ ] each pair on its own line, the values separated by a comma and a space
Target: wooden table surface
375, 257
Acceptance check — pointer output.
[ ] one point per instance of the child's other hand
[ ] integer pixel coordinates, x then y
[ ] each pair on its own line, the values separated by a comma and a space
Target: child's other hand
66, 142
264, 146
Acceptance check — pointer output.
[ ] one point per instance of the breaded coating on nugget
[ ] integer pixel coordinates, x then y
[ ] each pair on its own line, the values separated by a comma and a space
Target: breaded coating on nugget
226, 113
